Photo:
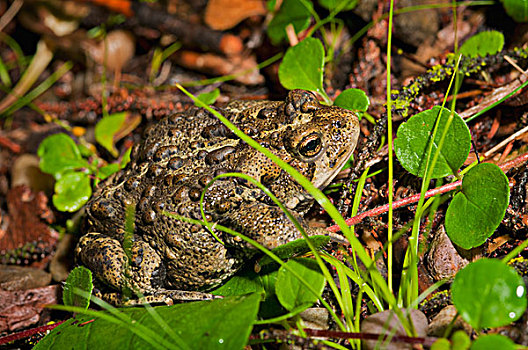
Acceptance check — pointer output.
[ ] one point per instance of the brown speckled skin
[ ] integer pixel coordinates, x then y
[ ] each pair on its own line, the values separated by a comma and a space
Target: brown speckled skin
168, 171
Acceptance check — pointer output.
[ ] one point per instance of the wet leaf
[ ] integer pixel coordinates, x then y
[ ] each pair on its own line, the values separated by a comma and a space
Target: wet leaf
72, 191
302, 66
488, 293
516, 9
493, 342
107, 128
58, 154
291, 293
476, 211
353, 99
483, 44
218, 324
413, 139
291, 12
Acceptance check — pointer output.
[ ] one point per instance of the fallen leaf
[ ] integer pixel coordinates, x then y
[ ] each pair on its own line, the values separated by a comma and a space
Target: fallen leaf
225, 14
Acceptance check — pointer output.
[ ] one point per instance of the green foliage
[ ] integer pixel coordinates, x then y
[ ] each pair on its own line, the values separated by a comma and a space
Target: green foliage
493, 342
61, 157
460, 340
483, 44
295, 12
72, 190
59, 154
346, 5
302, 66
415, 135
218, 324
476, 211
441, 344
291, 293
106, 129
488, 293
516, 9
79, 278
209, 97
353, 99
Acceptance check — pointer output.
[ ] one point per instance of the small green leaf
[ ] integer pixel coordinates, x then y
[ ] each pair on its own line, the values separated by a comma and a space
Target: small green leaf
483, 44
413, 139
126, 158
493, 342
208, 97
79, 278
345, 5
291, 12
108, 170
106, 128
487, 293
476, 211
516, 9
291, 293
353, 99
441, 344
58, 154
217, 324
72, 191
302, 66
460, 340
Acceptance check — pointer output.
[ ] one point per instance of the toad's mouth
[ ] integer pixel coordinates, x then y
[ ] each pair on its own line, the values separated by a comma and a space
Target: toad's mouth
324, 176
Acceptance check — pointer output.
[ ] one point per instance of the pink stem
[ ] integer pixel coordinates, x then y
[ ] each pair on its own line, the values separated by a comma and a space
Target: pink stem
413, 199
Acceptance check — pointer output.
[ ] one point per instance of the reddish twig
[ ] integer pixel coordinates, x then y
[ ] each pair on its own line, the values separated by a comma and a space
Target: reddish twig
28, 333
369, 336
7, 143
413, 199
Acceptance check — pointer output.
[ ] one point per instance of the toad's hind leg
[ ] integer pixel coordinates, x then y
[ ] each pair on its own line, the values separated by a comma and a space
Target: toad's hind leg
109, 263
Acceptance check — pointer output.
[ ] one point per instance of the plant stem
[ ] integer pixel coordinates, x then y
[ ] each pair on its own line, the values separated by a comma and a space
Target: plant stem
413, 199
390, 144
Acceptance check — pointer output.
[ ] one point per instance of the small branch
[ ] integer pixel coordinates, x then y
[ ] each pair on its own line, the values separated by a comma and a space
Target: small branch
369, 336
413, 199
28, 333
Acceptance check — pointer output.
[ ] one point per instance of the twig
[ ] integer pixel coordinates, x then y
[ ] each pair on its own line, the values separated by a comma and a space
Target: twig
413, 199
28, 333
10, 13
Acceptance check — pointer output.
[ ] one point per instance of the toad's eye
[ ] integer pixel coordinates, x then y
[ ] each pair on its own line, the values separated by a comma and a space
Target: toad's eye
310, 146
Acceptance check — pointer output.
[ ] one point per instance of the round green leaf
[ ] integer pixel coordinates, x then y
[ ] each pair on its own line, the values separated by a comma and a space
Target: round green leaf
488, 293
483, 44
291, 293
460, 340
516, 9
72, 191
79, 278
476, 211
493, 342
58, 154
441, 344
413, 137
291, 12
302, 66
353, 99
106, 128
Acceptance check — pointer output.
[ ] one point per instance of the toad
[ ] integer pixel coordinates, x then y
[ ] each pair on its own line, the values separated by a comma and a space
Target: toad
179, 156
